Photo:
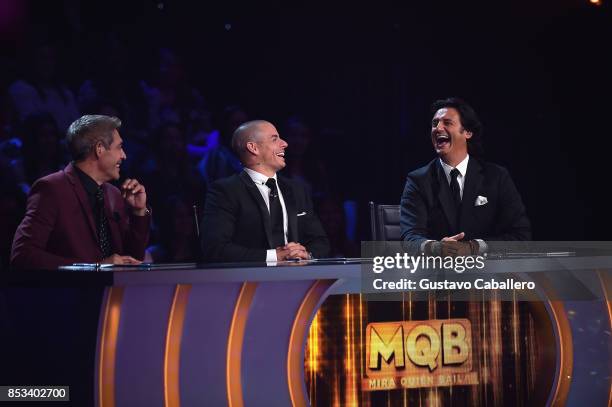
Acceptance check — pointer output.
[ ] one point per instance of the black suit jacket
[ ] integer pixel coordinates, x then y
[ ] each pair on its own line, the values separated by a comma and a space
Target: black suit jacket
427, 209
236, 226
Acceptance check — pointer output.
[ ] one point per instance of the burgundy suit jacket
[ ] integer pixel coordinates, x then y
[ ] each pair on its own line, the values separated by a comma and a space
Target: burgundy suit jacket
59, 228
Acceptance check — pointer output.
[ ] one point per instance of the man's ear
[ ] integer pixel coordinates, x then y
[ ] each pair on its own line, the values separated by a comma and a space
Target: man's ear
99, 149
252, 147
468, 134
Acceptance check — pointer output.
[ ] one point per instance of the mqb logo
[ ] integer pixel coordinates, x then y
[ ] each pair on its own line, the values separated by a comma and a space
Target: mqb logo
413, 354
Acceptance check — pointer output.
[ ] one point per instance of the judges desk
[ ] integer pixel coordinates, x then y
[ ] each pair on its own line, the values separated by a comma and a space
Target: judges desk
234, 335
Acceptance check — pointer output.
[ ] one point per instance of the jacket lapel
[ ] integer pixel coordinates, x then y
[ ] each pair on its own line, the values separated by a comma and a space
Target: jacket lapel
289, 198
445, 197
79, 191
471, 186
261, 204
113, 221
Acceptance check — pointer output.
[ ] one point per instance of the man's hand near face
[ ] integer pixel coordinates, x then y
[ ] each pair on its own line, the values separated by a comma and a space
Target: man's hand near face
135, 195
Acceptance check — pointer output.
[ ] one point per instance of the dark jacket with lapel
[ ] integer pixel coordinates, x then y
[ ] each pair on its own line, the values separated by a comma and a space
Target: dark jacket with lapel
427, 210
59, 228
236, 226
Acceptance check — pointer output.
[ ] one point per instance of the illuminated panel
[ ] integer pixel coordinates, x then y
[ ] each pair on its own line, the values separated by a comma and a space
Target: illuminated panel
173, 346
491, 351
141, 345
296, 342
606, 283
107, 347
234, 345
206, 329
415, 354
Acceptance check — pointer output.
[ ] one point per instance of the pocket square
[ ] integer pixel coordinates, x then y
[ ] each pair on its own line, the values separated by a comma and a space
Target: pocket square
481, 200
301, 214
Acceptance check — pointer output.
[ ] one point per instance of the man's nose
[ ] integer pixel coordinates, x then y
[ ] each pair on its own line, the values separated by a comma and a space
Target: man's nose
284, 143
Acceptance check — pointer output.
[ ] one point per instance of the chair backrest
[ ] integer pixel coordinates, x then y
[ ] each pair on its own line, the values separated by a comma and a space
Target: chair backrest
385, 222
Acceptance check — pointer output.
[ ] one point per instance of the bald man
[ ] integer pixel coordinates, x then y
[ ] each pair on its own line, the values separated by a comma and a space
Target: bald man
256, 215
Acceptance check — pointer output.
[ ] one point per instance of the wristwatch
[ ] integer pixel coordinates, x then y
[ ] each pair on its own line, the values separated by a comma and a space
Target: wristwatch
146, 213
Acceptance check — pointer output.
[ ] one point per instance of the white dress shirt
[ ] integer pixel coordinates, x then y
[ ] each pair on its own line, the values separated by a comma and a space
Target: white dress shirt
462, 167
260, 180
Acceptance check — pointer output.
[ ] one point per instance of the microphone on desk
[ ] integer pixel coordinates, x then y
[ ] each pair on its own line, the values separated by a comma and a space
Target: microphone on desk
196, 220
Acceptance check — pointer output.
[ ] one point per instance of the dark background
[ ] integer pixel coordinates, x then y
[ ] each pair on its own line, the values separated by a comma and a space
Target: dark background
364, 78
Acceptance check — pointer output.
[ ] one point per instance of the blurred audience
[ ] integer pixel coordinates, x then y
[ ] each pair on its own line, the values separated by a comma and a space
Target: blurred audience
12, 208
8, 118
168, 171
43, 152
299, 164
169, 95
176, 142
115, 84
176, 231
220, 161
42, 89
334, 220
200, 132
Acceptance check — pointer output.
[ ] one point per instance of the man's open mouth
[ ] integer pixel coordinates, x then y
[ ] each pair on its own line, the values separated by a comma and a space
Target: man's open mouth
281, 154
442, 141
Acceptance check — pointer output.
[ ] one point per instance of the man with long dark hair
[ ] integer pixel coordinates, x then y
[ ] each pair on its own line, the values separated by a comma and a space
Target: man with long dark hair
458, 198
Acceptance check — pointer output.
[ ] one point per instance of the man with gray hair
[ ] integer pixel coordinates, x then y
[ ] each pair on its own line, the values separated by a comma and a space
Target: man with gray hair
256, 215
75, 215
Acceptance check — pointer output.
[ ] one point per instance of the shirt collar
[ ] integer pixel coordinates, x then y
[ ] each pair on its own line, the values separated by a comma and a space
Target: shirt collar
258, 177
462, 167
89, 184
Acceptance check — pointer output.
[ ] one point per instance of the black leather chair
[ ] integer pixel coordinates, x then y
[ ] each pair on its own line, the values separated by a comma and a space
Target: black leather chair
385, 222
